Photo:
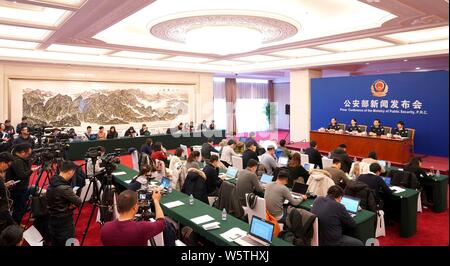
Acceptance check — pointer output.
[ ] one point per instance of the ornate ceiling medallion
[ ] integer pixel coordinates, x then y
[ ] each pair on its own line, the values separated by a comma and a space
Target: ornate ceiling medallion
271, 29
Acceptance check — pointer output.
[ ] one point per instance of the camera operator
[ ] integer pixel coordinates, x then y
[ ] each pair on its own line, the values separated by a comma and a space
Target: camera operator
9, 128
20, 172
61, 199
101, 151
125, 231
5, 216
24, 137
23, 124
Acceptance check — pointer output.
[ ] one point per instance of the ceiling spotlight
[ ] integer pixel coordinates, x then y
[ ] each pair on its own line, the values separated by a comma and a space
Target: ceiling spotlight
367, 63
418, 68
406, 60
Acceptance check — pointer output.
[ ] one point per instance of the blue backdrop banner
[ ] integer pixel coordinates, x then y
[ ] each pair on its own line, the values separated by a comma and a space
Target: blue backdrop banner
420, 99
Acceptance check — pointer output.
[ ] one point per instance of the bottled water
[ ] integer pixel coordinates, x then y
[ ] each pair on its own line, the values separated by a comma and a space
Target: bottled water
169, 189
224, 214
438, 173
191, 200
388, 163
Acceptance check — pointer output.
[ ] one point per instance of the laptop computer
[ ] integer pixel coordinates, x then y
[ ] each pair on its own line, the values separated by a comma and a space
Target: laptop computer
261, 234
351, 205
165, 183
382, 163
231, 173
387, 180
265, 179
243, 139
299, 189
309, 166
283, 161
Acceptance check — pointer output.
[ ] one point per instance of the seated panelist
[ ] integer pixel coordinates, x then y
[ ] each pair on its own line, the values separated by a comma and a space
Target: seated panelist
400, 131
353, 127
334, 125
376, 129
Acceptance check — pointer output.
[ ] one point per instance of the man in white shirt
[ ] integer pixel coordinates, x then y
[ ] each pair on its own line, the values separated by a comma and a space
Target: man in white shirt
268, 160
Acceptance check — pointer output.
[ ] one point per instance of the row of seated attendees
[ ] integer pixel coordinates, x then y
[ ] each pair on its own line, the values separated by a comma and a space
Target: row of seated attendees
24, 131
376, 129
186, 176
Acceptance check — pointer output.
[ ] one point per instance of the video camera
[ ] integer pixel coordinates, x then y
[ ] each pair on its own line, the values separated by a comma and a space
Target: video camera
50, 151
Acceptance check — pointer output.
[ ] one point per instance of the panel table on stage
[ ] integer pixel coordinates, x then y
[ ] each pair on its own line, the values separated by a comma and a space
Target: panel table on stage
398, 151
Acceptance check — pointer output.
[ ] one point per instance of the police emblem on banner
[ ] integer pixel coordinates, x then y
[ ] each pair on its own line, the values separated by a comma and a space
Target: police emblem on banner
379, 88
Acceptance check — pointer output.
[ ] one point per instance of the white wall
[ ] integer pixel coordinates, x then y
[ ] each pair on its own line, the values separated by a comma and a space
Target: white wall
282, 98
202, 82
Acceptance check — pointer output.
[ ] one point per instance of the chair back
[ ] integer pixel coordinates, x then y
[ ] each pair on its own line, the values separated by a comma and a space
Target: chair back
304, 158
135, 160
237, 162
258, 211
342, 126
411, 132
326, 162
387, 130
363, 128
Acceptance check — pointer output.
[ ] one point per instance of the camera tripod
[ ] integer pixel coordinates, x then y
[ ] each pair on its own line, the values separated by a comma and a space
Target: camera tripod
47, 168
102, 199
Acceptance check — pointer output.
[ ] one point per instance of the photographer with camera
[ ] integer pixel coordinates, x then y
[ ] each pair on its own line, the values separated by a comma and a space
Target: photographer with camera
61, 199
5, 216
125, 231
20, 172
95, 154
24, 137
23, 124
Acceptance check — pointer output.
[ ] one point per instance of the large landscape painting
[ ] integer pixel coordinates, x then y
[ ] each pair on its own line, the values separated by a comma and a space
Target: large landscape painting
78, 104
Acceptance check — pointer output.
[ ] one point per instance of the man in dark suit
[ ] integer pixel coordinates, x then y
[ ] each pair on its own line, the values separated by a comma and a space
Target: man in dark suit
374, 181
249, 153
207, 148
314, 155
333, 218
377, 129
400, 131
340, 153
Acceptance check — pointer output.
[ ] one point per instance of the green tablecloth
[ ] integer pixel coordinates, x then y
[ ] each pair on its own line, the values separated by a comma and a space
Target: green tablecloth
438, 186
403, 207
77, 150
365, 222
184, 213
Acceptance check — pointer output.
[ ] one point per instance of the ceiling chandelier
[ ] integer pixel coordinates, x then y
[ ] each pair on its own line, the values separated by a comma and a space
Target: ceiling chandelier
223, 34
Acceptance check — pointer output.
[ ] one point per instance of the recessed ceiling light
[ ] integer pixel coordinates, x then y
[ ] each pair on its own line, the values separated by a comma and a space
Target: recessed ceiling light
418, 68
406, 60
367, 63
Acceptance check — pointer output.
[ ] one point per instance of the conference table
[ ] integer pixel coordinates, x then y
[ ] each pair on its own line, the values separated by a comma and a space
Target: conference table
438, 186
398, 151
184, 213
78, 149
365, 220
402, 207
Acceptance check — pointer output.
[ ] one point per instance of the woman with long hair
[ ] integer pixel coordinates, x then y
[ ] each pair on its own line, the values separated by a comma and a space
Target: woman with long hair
112, 133
193, 160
